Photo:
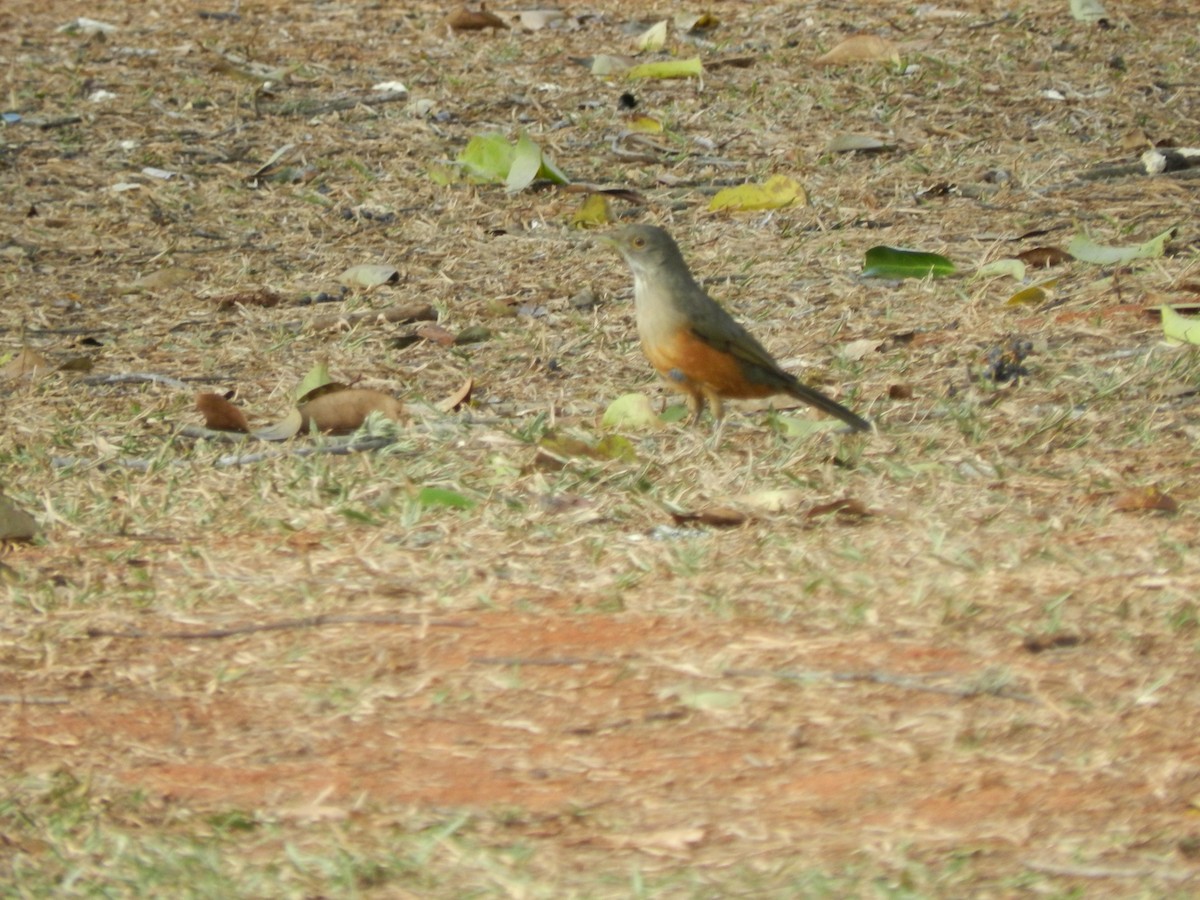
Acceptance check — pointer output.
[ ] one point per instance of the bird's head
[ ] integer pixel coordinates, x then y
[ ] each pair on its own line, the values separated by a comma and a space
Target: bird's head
646, 248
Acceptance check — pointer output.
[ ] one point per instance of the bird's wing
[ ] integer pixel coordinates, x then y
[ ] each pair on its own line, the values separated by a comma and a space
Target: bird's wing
719, 330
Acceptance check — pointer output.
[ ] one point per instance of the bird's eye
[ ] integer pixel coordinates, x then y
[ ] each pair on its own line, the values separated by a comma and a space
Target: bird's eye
638, 243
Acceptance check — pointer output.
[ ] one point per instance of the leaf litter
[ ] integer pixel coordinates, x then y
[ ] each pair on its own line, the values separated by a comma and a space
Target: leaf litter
582, 749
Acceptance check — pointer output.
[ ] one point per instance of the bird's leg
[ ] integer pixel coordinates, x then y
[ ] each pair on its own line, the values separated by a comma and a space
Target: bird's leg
695, 402
718, 411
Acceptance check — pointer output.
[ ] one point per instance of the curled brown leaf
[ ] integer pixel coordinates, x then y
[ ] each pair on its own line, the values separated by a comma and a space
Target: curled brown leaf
340, 412
465, 19
221, 415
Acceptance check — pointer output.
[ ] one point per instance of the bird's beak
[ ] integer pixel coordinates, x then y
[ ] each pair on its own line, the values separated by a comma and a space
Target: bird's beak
608, 240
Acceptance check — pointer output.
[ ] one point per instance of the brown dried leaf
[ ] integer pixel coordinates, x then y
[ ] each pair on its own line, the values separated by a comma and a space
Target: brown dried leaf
221, 415
435, 334
861, 48
262, 297
1145, 498
717, 516
77, 364
340, 412
860, 349
537, 19
1035, 643
731, 62
670, 841
845, 507
15, 523
464, 19
1044, 257
774, 501
28, 363
163, 279
459, 397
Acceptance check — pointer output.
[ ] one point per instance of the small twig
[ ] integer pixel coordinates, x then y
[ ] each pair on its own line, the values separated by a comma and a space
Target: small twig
316, 108
537, 661
363, 445
901, 681
285, 625
658, 715
916, 684
137, 378
33, 701
394, 315
40, 331
200, 433
360, 446
61, 122
1106, 872
1103, 173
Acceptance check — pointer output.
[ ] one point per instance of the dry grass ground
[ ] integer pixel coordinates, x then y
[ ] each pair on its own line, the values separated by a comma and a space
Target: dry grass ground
987, 685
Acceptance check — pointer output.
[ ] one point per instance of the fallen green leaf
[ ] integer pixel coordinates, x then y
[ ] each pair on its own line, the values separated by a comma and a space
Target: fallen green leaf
1183, 329
677, 412
1087, 10
443, 175
708, 700
1084, 249
487, 158
316, 377
614, 446
630, 411
368, 275
607, 64
673, 68
526, 162
1013, 268
892, 262
431, 496
792, 427
491, 159
552, 173
654, 37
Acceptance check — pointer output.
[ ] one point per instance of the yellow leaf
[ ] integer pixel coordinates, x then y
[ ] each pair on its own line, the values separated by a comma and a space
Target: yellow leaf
776, 192
1035, 293
593, 212
861, 48
607, 64
696, 21
1181, 329
163, 279
630, 411
673, 68
645, 125
654, 37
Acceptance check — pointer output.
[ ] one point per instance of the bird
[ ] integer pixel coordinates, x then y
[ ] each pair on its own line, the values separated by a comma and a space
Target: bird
693, 343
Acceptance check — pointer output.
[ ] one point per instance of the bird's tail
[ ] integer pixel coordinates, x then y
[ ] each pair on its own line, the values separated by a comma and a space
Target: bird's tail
827, 405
